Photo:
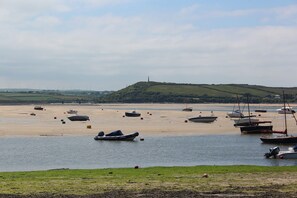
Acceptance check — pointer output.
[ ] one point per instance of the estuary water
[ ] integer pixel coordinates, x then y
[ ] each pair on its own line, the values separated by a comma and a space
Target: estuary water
83, 152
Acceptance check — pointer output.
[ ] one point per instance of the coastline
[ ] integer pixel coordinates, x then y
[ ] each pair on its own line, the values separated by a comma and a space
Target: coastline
157, 120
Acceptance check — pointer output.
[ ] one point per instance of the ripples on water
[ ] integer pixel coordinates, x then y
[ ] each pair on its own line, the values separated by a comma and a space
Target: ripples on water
42, 153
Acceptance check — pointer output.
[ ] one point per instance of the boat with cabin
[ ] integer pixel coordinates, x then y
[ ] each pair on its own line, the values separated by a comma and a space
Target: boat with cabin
116, 136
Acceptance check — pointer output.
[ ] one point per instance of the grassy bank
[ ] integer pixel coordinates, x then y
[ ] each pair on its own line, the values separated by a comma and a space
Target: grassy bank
247, 180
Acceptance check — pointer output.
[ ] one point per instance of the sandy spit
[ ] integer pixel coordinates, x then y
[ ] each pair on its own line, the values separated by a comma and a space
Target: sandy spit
157, 120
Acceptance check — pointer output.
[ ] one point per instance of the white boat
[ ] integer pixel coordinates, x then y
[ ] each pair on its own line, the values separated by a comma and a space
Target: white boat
235, 114
276, 153
245, 121
71, 111
286, 110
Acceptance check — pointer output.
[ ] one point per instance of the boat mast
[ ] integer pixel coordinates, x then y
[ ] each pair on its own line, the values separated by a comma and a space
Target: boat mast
248, 103
238, 103
284, 98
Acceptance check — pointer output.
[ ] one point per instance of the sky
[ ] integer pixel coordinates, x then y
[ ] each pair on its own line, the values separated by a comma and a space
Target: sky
110, 44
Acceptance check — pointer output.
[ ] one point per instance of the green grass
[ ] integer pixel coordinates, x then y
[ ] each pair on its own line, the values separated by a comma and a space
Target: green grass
247, 179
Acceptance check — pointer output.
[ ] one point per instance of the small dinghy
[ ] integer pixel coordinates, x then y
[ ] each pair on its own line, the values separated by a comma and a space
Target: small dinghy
79, 118
116, 135
132, 114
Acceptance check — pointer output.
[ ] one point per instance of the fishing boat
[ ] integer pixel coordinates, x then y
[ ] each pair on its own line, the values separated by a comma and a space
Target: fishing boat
116, 136
79, 118
255, 127
276, 153
284, 138
132, 114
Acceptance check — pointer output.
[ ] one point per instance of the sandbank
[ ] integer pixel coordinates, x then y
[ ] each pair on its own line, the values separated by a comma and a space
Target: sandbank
157, 120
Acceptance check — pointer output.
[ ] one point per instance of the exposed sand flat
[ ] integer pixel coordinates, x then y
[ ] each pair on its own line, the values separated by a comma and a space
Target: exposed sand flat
158, 119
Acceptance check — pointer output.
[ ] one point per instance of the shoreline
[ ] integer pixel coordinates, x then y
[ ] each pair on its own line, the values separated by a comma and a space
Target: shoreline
155, 120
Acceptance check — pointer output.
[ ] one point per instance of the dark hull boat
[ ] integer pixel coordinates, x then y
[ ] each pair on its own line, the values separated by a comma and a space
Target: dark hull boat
203, 119
116, 136
188, 109
132, 114
279, 140
78, 118
284, 139
256, 129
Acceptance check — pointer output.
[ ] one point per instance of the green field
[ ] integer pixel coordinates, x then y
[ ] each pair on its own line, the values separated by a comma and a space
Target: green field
200, 93
224, 180
148, 92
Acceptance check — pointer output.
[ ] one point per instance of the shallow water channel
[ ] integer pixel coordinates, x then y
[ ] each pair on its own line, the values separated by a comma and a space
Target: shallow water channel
82, 152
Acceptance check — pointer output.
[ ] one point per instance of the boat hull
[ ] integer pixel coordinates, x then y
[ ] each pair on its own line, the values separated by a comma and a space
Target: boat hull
132, 114
287, 155
129, 137
202, 119
279, 140
256, 129
79, 118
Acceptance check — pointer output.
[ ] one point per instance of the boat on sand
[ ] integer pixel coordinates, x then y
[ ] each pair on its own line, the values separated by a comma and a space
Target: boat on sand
116, 136
203, 119
132, 114
79, 118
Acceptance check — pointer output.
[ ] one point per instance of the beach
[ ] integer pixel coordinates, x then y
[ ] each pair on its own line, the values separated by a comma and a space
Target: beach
155, 120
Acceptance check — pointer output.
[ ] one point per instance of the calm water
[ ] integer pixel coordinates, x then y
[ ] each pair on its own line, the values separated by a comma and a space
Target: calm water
42, 153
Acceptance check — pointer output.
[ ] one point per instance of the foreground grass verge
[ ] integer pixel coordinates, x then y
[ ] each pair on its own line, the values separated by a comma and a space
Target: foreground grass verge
246, 180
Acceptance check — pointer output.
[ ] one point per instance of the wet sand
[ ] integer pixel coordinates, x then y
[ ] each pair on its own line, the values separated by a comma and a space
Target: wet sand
157, 120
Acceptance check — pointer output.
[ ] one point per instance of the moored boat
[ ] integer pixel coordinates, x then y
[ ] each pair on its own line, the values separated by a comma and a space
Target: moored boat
116, 136
188, 109
132, 114
235, 114
255, 127
286, 110
276, 153
79, 118
283, 139
71, 111
246, 121
203, 119
38, 108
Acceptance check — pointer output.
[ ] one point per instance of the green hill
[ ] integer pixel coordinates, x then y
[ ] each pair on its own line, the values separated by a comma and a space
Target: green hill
199, 93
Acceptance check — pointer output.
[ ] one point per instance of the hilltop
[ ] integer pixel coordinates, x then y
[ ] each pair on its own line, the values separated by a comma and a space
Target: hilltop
143, 92
154, 92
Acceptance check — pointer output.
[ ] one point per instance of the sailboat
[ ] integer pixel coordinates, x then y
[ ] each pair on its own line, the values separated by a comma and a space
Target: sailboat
285, 138
255, 127
236, 113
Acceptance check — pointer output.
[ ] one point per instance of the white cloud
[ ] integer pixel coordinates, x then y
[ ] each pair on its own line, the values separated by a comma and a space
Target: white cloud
44, 42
